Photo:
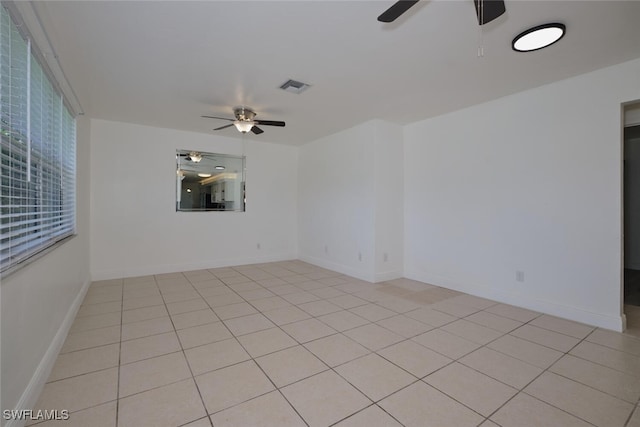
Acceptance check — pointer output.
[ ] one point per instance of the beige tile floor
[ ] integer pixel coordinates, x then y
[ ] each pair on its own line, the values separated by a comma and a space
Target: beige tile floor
290, 344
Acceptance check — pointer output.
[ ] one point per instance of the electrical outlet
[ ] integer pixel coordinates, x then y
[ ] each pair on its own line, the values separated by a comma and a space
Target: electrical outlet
385, 257
520, 276
258, 246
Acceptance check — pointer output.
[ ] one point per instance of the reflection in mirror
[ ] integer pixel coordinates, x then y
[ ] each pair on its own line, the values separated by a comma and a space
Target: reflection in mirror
209, 182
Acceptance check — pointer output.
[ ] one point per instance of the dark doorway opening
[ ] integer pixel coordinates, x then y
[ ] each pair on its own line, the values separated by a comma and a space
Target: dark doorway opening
632, 215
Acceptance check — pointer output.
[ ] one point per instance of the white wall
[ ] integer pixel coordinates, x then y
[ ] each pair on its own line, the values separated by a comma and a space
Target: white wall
40, 301
336, 202
529, 182
388, 172
350, 201
135, 229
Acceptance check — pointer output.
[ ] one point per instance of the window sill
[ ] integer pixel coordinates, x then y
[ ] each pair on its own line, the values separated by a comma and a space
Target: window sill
33, 258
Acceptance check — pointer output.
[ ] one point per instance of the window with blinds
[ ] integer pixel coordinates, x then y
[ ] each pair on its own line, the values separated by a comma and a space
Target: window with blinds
38, 156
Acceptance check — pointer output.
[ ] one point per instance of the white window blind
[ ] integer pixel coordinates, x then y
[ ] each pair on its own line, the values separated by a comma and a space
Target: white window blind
38, 152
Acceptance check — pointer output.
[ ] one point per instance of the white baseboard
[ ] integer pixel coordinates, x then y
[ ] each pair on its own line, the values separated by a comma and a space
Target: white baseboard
612, 322
388, 275
30, 396
349, 271
144, 270
340, 268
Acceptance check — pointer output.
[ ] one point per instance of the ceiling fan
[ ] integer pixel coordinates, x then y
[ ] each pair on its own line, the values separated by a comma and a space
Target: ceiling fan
487, 10
245, 121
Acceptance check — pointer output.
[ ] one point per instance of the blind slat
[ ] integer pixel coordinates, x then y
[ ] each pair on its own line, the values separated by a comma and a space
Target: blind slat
37, 152
45, 232
33, 224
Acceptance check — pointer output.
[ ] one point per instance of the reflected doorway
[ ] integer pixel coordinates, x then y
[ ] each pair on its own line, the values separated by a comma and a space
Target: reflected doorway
632, 215
631, 212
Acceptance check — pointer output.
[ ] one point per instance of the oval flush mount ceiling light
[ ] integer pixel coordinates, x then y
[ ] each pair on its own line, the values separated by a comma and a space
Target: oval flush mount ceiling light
538, 37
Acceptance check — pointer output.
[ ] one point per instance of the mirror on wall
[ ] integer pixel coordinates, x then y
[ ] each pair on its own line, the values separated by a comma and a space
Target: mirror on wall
209, 182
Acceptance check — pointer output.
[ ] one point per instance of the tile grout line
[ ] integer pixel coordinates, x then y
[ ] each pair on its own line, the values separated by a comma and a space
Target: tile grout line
545, 371
370, 351
276, 388
74, 376
262, 370
119, 357
368, 354
329, 368
251, 358
636, 408
518, 391
404, 339
486, 344
182, 350
521, 390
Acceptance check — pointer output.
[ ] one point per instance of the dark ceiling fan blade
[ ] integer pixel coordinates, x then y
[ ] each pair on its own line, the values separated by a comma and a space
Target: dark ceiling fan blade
255, 129
397, 9
269, 123
488, 10
220, 118
224, 127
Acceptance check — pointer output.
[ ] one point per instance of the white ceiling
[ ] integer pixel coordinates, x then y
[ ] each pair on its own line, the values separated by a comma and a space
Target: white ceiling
167, 63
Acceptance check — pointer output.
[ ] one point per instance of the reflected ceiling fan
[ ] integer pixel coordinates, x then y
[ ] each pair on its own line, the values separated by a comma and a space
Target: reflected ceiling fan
192, 156
487, 10
245, 121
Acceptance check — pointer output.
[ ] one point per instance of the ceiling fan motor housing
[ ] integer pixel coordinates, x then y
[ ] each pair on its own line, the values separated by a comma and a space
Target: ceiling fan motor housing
244, 114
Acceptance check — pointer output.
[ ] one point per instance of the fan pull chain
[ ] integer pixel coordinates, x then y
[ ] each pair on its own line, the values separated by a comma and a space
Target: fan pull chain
244, 143
244, 172
480, 32
480, 45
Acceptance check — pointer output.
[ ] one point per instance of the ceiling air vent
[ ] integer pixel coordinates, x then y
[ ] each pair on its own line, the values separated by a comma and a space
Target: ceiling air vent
294, 86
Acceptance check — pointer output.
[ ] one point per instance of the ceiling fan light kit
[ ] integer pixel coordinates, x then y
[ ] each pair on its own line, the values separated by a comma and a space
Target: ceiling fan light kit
244, 126
538, 37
